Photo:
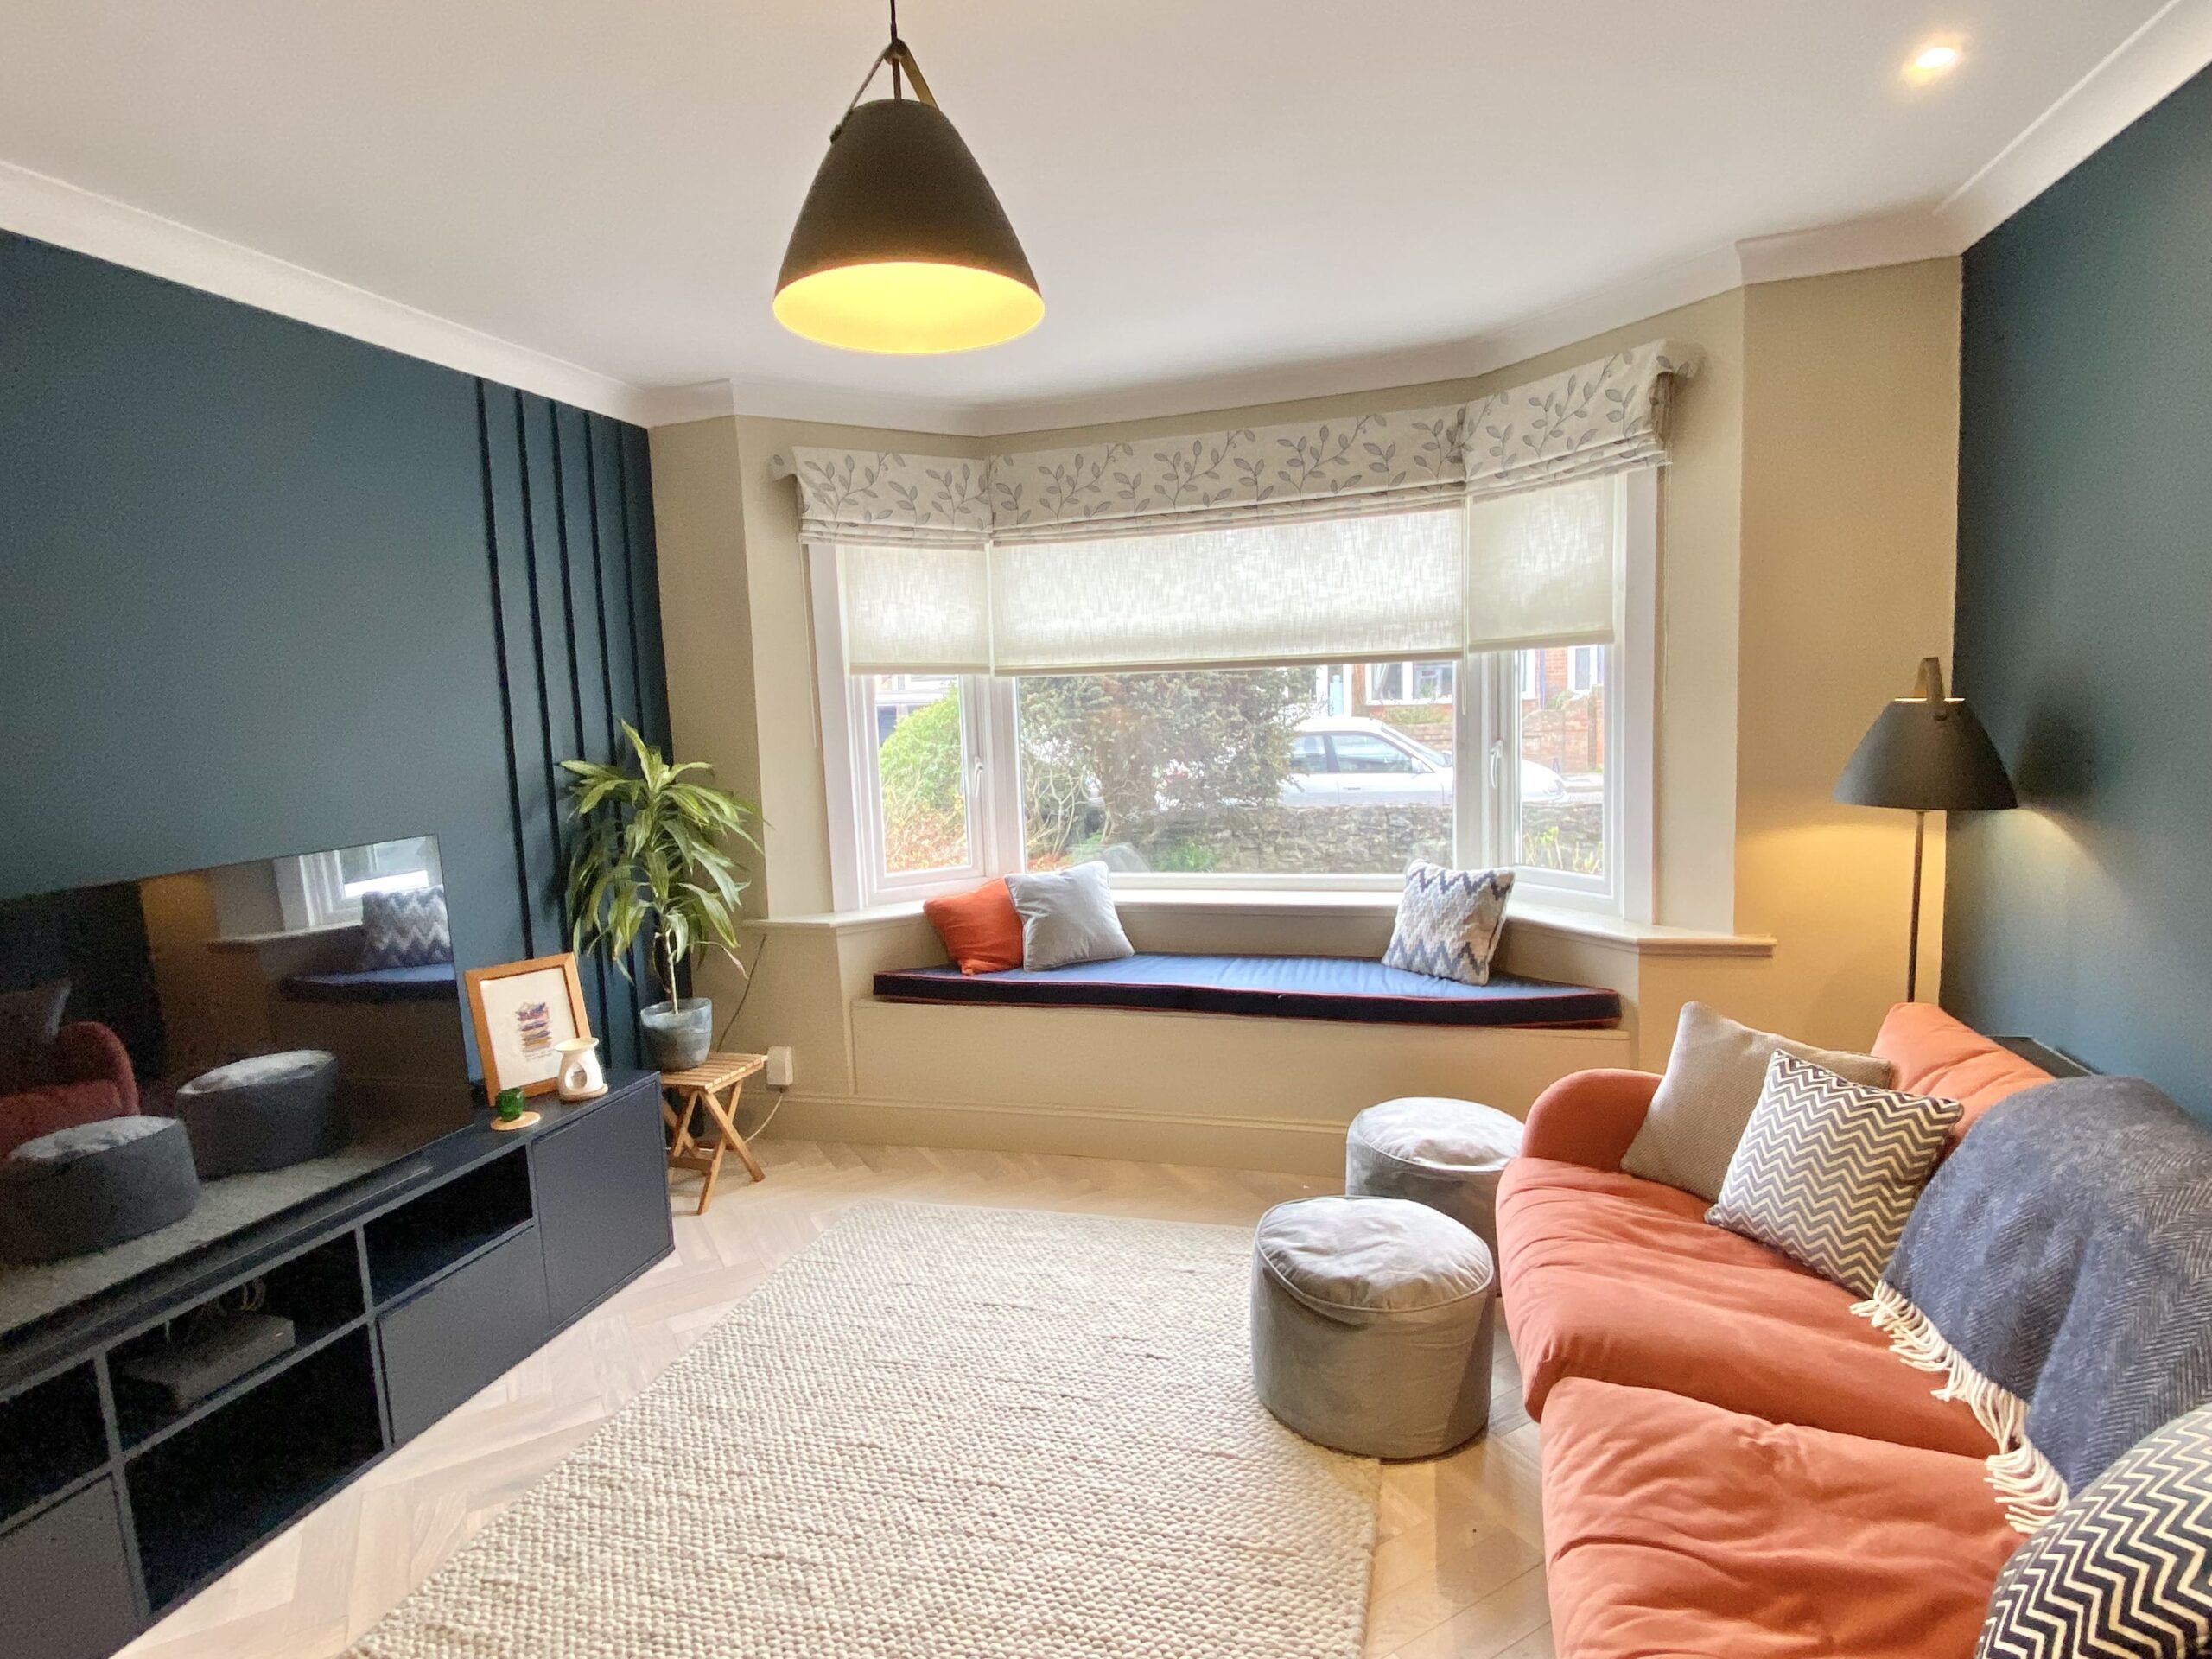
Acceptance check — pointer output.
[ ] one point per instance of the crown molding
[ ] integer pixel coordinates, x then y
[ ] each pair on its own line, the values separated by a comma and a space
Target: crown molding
2174, 44
704, 400
795, 400
48, 210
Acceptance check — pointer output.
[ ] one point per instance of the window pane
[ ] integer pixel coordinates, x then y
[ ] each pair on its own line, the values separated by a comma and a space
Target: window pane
385, 867
1562, 718
1266, 770
921, 758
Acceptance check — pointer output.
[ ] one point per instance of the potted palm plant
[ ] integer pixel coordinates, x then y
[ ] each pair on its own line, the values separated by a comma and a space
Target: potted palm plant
651, 857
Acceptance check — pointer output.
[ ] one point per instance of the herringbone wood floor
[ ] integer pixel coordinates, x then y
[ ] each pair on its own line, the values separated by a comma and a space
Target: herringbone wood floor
1458, 1573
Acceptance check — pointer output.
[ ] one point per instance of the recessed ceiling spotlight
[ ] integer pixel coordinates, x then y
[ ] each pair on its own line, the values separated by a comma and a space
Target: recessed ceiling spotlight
1932, 61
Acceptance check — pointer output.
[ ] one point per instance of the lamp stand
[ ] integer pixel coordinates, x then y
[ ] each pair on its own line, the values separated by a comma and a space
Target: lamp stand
1912, 945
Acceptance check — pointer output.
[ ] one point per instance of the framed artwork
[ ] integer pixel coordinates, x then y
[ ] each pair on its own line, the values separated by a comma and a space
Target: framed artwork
524, 1011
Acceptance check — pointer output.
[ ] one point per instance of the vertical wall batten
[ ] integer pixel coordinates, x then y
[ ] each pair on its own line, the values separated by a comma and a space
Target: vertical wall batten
562, 556
500, 648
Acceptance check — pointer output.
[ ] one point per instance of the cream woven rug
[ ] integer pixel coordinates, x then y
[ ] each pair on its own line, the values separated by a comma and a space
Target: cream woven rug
936, 1433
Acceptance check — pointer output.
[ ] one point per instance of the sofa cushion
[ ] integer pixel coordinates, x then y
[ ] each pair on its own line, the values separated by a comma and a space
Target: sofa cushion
37, 1112
1936, 1054
1829, 1170
1620, 1279
1714, 1074
1673, 1526
29, 1019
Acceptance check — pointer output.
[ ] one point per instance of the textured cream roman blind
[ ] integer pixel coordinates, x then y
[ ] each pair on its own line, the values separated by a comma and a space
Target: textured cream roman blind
1477, 526
1274, 591
923, 609
1543, 566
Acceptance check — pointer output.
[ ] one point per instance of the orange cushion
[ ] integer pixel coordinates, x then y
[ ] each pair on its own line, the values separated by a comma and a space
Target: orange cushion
1608, 1276
1937, 1055
1673, 1527
981, 930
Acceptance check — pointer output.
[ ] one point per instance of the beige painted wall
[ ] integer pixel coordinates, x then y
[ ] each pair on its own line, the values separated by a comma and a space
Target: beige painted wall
1851, 435
1806, 562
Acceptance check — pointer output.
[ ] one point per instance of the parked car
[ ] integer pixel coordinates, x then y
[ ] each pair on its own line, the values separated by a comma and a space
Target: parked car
1347, 760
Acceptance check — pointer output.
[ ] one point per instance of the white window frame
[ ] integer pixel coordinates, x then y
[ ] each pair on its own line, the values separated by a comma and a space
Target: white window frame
311, 890
1487, 692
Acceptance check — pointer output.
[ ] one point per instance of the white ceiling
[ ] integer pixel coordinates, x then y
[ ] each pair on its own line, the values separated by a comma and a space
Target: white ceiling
1222, 200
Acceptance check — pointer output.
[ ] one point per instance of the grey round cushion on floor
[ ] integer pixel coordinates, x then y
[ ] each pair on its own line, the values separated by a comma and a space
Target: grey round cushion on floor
1444, 1154
97, 1184
1371, 1324
269, 1112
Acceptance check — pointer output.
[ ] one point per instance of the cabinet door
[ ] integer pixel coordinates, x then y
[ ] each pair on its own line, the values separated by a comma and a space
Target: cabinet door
602, 1199
461, 1332
65, 1583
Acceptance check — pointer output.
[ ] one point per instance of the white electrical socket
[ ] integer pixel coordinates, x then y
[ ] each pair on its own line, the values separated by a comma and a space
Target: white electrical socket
780, 1067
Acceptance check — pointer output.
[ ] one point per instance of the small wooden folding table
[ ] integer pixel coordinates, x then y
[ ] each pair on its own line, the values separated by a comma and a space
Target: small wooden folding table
712, 1087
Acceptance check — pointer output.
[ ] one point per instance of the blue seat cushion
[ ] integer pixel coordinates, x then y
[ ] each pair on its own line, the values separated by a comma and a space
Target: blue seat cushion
1283, 988
429, 981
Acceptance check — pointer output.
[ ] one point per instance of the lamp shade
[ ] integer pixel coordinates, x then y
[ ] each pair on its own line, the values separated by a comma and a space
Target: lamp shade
901, 245
1927, 754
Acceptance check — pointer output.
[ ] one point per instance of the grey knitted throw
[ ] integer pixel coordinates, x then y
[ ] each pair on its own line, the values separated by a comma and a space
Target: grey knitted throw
2057, 1271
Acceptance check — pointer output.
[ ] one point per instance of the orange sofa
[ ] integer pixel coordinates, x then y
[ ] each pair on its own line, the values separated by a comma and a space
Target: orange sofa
1734, 1463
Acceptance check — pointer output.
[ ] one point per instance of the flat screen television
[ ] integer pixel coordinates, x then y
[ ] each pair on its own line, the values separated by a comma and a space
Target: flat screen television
339, 961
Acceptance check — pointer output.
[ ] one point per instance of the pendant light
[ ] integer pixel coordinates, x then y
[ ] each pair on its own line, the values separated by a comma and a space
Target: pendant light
902, 246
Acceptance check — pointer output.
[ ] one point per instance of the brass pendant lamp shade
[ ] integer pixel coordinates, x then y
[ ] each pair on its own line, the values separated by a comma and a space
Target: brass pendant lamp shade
902, 246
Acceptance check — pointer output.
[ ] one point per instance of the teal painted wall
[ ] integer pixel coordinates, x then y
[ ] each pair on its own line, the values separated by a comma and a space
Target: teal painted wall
265, 589
2085, 611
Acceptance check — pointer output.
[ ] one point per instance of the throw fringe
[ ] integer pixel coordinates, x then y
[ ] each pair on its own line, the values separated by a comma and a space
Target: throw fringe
2029, 1488
2031, 1492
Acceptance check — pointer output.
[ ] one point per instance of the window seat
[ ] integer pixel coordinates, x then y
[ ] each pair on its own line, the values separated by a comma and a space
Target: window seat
429, 982
1282, 988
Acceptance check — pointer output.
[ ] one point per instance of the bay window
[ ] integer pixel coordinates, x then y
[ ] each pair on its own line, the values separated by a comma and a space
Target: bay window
1053, 725
1291, 656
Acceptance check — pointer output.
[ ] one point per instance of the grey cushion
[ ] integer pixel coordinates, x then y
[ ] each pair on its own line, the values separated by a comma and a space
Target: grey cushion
1444, 1154
1828, 1171
1711, 1086
404, 929
1067, 916
1449, 922
28, 1022
1371, 1324
94, 1185
268, 1112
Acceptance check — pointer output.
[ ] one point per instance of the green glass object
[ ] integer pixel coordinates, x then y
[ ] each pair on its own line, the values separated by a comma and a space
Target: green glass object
509, 1106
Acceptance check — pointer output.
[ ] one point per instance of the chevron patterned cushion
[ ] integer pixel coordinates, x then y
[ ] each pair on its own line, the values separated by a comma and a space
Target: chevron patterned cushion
1448, 922
1828, 1170
404, 929
2125, 1568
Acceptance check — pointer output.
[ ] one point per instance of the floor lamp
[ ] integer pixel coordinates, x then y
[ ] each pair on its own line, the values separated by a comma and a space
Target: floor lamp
1925, 754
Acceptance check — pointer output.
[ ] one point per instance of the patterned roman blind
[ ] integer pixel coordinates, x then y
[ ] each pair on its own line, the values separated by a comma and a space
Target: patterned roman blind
1301, 542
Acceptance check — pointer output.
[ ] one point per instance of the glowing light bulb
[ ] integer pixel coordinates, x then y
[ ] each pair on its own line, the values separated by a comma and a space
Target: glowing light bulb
1933, 60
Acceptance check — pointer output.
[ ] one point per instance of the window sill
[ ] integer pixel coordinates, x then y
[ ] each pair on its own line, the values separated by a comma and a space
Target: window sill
1642, 938
282, 936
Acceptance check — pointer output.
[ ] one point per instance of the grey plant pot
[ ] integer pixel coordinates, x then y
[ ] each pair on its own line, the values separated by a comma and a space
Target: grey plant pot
677, 1038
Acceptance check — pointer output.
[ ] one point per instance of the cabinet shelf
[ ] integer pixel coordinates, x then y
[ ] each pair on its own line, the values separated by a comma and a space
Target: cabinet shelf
51, 1439
318, 1290
213, 1490
426, 1238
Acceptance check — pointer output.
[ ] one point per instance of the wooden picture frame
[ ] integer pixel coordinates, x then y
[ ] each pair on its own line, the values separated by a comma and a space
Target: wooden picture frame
523, 1011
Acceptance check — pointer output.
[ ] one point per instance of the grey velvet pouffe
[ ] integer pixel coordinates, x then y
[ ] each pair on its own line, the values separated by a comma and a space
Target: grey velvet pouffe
1371, 1324
269, 1112
98, 1185
1444, 1154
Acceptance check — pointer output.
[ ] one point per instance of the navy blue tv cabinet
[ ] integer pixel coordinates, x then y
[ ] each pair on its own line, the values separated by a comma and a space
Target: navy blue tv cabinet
410, 1291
